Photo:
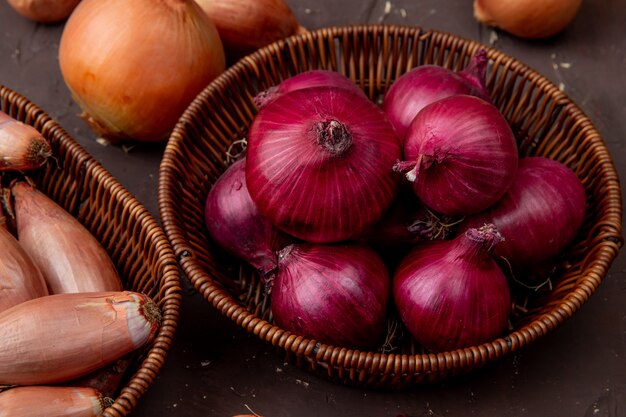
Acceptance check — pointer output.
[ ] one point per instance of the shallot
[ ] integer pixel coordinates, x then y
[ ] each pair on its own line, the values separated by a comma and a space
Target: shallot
52, 401
60, 337
69, 256
22, 147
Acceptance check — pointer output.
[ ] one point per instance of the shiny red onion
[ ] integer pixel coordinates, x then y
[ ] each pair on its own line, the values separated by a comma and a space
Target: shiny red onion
319, 163
460, 154
540, 214
335, 294
428, 83
235, 223
452, 294
313, 78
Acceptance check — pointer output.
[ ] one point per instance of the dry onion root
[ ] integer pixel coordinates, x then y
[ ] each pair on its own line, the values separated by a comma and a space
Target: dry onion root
22, 147
61, 337
527, 18
31, 401
69, 256
44, 11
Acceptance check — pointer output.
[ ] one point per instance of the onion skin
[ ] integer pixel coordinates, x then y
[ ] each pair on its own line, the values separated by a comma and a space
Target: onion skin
52, 401
247, 25
20, 279
465, 152
452, 294
69, 256
307, 79
133, 68
22, 147
335, 294
44, 11
319, 163
527, 18
237, 225
426, 84
539, 216
60, 337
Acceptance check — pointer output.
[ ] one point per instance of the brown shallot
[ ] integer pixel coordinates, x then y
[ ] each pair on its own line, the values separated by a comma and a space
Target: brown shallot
69, 256
52, 401
20, 279
22, 147
60, 337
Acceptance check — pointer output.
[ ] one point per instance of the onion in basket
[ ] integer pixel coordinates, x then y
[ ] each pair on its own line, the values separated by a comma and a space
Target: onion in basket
21, 146
37, 401
61, 337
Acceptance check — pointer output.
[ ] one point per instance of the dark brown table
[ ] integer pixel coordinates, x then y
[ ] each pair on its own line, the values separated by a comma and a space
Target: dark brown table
216, 369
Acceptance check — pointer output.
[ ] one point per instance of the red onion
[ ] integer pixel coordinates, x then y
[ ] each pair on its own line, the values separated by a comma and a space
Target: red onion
540, 214
335, 294
462, 155
428, 83
235, 223
319, 163
452, 294
308, 79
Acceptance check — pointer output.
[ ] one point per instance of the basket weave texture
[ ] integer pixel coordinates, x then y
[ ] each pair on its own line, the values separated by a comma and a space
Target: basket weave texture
133, 239
545, 121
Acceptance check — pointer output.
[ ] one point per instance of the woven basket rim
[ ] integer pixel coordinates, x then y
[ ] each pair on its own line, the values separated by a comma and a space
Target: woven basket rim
512, 342
154, 357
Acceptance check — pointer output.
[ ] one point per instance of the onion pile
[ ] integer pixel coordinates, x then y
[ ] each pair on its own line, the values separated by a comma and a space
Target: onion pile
324, 165
68, 330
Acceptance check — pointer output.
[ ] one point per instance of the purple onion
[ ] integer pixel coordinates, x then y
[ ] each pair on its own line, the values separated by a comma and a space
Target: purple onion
335, 294
452, 294
319, 163
308, 79
428, 83
540, 214
460, 154
235, 223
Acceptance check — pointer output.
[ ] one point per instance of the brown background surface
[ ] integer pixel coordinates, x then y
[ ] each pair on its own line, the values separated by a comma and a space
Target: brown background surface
215, 369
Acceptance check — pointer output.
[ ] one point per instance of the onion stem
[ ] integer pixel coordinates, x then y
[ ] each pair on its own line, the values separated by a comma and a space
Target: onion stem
333, 136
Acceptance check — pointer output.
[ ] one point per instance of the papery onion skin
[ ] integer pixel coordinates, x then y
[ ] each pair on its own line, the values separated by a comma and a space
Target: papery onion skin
60, 337
466, 155
527, 18
426, 84
134, 67
247, 25
235, 223
540, 214
452, 294
20, 279
44, 11
31, 401
319, 163
22, 147
69, 256
335, 294
307, 79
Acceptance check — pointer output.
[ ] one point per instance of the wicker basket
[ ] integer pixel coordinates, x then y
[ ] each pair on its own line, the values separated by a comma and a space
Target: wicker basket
130, 234
545, 121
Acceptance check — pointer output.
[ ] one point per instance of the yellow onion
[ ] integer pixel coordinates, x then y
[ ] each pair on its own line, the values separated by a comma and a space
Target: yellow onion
246, 25
527, 18
60, 337
69, 256
21, 145
20, 279
134, 66
44, 11
52, 401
